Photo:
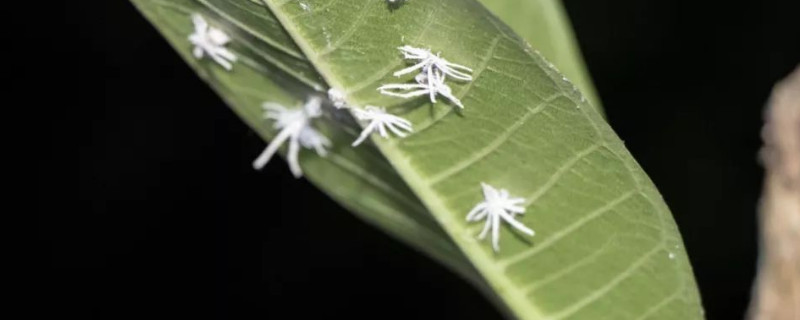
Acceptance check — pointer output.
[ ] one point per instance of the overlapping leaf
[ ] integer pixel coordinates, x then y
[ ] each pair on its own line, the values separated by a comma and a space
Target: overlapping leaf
360, 179
606, 246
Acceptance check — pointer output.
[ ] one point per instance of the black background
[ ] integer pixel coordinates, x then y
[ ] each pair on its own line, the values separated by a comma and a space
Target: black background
155, 211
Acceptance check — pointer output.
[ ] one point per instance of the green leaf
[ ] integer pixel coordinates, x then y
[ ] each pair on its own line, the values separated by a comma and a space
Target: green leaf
545, 25
359, 179
606, 246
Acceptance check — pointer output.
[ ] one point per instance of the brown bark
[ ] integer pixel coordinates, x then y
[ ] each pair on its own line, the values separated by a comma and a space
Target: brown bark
776, 294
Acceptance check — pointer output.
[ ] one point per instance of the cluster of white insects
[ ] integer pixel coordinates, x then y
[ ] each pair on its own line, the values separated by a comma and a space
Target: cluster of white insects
433, 71
295, 124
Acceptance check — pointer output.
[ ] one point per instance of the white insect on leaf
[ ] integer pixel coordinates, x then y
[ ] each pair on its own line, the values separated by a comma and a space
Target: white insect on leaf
210, 41
430, 63
380, 121
337, 97
497, 207
295, 126
433, 72
426, 85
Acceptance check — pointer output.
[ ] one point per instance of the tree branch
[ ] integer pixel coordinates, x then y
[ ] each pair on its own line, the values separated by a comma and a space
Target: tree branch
776, 294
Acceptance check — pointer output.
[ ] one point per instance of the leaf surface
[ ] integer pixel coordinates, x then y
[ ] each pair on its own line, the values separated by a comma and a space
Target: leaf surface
359, 179
606, 245
545, 25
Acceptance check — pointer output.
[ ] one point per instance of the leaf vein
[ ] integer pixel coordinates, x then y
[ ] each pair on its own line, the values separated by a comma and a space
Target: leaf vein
256, 34
349, 32
598, 294
464, 91
372, 79
559, 173
486, 150
555, 237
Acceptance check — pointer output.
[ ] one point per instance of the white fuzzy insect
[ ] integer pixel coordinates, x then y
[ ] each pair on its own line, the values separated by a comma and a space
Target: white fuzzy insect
337, 97
380, 121
426, 85
430, 63
210, 41
433, 72
295, 126
497, 207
